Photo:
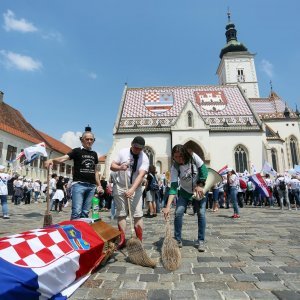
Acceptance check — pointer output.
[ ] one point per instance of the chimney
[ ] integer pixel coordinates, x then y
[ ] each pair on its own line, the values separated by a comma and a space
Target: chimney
1, 96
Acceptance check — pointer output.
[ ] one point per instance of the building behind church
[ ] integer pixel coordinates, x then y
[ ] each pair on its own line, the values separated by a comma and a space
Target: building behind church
16, 134
229, 123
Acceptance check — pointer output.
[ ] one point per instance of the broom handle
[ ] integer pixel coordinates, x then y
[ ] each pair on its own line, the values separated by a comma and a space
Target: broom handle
48, 191
129, 206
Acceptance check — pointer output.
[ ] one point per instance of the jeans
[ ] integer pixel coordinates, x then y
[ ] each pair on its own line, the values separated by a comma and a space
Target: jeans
295, 196
215, 195
82, 194
233, 197
51, 200
221, 199
4, 204
157, 201
112, 209
36, 196
284, 195
200, 208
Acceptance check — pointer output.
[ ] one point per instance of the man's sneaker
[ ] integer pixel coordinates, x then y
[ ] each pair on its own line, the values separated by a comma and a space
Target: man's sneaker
6, 217
201, 247
179, 243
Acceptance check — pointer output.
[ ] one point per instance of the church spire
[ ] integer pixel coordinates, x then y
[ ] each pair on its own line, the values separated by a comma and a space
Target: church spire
231, 38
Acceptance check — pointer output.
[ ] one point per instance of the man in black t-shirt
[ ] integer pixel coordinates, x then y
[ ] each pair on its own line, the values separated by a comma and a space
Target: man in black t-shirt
85, 178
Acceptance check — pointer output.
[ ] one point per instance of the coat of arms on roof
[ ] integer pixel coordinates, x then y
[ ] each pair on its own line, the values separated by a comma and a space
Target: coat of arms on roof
211, 100
158, 102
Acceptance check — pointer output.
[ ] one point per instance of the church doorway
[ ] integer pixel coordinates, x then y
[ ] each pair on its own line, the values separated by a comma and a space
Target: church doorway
197, 149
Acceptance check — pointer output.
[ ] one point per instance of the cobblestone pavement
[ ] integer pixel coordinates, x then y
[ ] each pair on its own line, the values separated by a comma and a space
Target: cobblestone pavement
255, 257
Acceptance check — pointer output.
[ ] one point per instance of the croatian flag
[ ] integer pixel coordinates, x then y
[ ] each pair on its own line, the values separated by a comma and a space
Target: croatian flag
243, 183
158, 102
267, 168
253, 169
224, 170
42, 263
21, 154
260, 184
35, 149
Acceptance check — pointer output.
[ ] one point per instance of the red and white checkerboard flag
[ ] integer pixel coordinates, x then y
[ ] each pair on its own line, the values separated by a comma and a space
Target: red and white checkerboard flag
42, 263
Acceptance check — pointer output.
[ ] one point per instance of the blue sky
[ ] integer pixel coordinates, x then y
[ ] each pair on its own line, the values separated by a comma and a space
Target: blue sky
63, 63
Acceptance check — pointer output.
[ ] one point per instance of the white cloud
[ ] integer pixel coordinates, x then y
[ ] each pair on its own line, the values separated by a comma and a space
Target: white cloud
13, 24
93, 75
267, 67
52, 36
71, 139
20, 62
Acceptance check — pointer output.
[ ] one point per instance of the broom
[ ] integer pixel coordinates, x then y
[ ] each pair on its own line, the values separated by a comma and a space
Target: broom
48, 216
170, 252
136, 253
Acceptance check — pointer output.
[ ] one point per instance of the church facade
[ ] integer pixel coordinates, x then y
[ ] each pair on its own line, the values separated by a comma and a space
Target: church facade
225, 124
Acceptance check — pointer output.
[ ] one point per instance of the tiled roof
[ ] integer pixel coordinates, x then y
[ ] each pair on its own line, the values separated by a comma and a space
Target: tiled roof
160, 106
13, 122
102, 158
271, 107
19, 133
55, 144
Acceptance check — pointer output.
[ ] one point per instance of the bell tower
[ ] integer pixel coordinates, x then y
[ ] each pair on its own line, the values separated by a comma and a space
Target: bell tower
237, 64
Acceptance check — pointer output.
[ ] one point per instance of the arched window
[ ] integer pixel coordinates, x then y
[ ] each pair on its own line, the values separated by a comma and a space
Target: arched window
294, 154
274, 159
282, 157
150, 154
190, 119
158, 167
240, 156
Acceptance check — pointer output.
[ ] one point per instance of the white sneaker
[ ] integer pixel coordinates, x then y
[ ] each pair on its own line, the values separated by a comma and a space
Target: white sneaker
201, 247
66, 205
6, 217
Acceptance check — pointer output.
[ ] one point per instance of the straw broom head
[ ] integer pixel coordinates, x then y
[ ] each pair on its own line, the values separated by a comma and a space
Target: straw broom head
170, 252
137, 255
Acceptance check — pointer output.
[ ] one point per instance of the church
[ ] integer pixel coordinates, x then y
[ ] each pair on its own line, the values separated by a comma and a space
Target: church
225, 124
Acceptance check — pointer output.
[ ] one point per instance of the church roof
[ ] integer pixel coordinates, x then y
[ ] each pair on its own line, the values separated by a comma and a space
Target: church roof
157, 108
272, 107
13, 122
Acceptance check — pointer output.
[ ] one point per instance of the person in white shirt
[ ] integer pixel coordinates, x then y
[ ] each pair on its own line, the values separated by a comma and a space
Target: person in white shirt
269, 183
37, 190
131, 165
281, 185
4, 177
18, 190
233, 182
294, 184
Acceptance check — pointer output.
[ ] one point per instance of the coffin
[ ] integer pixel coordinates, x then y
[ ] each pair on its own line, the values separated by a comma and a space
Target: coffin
42, 263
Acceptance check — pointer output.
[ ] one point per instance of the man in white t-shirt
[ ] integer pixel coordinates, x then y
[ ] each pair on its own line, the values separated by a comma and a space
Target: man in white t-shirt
131, 164
4, 191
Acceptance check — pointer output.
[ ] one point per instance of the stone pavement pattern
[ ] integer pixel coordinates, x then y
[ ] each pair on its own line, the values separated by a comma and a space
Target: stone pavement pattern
255, 257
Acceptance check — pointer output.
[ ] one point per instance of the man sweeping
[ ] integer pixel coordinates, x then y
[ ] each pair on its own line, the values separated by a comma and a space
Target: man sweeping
135, 163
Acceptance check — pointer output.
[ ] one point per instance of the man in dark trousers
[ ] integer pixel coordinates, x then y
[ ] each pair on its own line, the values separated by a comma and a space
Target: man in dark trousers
85, 178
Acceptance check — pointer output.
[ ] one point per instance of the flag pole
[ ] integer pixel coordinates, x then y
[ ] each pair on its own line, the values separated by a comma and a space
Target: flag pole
48, 216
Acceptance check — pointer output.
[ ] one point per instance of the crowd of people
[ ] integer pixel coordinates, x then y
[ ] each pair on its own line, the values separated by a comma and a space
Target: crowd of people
135, 185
